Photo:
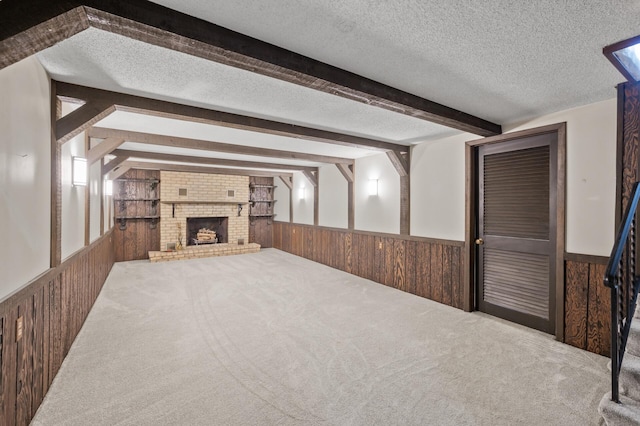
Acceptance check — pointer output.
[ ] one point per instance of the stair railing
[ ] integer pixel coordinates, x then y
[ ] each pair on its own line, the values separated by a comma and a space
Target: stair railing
620, 277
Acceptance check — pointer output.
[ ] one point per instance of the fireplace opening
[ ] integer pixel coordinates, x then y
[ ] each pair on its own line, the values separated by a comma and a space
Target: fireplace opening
200, 230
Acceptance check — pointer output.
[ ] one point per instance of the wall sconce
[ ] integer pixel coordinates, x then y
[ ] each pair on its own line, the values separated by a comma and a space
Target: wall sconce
625, 56
108, 187
373, 187
79, 171
302, 193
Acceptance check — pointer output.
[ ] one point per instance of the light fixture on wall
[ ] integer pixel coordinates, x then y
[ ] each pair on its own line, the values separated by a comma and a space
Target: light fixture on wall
302, 192
108, 187
79, 171
373, 187
625, 56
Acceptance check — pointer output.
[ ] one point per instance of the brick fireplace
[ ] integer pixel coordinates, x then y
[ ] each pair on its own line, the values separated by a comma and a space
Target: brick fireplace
199, 195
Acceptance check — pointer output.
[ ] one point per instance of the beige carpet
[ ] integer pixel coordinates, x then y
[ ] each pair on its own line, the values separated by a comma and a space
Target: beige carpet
271, 338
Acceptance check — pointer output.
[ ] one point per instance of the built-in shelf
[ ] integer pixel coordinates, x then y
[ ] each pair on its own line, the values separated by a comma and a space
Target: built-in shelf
235, 203
123, 180
136, 217
261, 202
144, 207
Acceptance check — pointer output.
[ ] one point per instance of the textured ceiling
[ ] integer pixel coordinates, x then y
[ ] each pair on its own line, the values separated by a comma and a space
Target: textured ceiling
503, 61
186, 129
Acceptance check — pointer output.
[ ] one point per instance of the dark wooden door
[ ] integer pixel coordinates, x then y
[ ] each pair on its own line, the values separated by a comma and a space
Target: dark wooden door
517, 226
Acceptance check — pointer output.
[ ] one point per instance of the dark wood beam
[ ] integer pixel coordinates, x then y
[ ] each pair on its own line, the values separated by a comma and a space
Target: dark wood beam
56, 184
116, 173
112, 164
82, 118
316, 199
347, 171
400, 162
28, 27
207, 160
87, 192
150, 139
140, 105
287, 182
105, 147
405, 205
25, 30
200, 169
311, 177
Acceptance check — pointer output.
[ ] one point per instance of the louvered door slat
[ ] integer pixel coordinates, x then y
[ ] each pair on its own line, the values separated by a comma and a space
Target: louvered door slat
517, 281
516, 193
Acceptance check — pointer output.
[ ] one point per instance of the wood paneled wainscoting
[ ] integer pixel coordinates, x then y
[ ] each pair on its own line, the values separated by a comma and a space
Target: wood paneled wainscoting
425, 267
434, 269
587, 304
39, 323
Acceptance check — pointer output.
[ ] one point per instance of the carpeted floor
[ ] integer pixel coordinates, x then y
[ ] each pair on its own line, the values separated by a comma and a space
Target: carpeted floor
271, 338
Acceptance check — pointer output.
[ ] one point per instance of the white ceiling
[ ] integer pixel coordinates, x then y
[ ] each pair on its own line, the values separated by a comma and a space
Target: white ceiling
503, 61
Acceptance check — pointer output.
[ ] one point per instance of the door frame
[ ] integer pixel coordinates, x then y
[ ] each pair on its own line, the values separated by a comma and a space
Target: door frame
471, 215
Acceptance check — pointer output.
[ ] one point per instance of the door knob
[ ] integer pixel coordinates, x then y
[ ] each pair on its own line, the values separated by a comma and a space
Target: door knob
479, 241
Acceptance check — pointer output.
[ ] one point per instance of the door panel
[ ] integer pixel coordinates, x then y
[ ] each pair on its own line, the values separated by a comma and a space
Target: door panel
516, 228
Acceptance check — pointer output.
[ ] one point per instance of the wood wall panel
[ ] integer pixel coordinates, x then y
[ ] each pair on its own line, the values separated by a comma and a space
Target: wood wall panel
436, 273
399, 275
447, 276
53, 308
434, 269
599, 315
577, 291
415, 265
409, 284
587, 306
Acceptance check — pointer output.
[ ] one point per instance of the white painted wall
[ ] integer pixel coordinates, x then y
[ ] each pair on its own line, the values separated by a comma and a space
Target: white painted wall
281, 208
72, 197
438, 188
437, 185
25, 172
302, 206
379, 213
591, 174
334, 198
95, 180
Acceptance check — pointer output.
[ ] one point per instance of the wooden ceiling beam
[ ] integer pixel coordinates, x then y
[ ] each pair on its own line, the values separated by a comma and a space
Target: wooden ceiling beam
116, 173
105, 147
76, 122
311, 177
27, 27
112, 164
400, 162
287, 180
201, 169
176, 142
148, 106
347, 171
208, 160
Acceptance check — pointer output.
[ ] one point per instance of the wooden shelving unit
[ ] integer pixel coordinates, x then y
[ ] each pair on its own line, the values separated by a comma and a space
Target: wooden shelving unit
136, 199
261, 201
261, 214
